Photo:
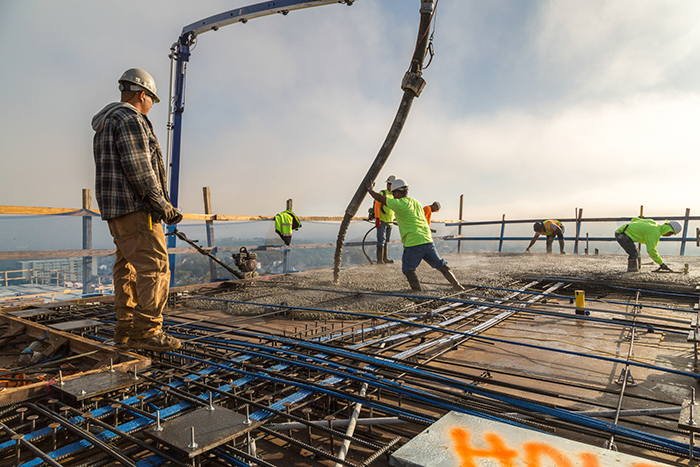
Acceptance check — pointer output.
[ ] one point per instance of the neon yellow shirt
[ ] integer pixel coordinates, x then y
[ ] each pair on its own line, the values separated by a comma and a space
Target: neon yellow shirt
411, 219
385, 214
648, 232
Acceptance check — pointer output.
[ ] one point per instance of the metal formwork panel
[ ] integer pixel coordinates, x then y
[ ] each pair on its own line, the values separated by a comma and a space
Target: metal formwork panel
212, 428
96, 384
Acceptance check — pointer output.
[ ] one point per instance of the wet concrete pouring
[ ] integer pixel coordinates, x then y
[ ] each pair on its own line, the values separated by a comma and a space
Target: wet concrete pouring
304, 371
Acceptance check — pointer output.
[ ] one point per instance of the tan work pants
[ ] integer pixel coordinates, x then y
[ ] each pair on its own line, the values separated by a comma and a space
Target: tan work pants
141, 274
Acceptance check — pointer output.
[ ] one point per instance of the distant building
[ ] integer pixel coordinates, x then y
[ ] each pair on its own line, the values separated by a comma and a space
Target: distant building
55, 271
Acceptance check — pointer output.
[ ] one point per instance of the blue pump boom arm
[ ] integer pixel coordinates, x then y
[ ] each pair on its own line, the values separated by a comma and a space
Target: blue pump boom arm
180, 55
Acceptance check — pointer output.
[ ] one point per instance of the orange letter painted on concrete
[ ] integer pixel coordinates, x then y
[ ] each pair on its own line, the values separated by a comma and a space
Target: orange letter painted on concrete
467, 454
589, 460
533, 452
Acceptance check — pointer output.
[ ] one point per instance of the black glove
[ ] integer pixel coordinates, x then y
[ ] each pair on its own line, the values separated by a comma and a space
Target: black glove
663, 267
171, 215
168, 214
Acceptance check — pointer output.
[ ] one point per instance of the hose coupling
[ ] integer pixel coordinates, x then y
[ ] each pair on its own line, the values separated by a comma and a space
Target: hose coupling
413, 81
426, 7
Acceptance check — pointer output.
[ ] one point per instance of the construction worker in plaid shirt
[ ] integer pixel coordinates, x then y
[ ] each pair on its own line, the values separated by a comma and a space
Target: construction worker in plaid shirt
130, 188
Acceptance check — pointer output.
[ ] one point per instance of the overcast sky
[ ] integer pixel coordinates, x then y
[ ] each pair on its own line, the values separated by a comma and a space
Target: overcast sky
531, 109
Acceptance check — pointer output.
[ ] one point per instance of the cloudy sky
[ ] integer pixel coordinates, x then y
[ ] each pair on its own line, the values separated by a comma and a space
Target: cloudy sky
531, 109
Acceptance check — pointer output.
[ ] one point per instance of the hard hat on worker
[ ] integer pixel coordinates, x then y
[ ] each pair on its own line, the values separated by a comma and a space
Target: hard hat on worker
398, 184
675, 225
136, 79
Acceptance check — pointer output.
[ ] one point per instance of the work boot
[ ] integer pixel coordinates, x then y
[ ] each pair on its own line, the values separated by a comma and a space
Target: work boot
121, 335
413, 280
385, 255
632, 265
121, 341
380, 254
158, 342
447, 272
561, 246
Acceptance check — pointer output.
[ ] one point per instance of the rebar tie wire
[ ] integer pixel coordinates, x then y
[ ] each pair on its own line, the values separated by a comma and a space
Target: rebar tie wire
626, 374
462, 333
302, 343
311, 388
531, 406
296, 364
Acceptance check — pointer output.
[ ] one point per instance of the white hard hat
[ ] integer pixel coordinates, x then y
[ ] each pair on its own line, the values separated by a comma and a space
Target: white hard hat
398, 184
390, 179
136, 79
675, 225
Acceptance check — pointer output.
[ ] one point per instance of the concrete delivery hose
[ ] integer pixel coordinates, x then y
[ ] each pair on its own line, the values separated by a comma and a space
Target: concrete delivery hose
412, 86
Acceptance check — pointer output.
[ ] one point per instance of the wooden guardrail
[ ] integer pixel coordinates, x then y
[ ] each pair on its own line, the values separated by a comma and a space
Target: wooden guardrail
88, 253
41, 211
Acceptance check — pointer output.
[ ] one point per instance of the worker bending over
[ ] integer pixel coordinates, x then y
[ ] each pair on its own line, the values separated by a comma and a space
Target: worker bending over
648, 232
415, 234
550, 228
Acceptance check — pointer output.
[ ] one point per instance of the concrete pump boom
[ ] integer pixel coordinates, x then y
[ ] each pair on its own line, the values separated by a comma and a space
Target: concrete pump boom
180, 55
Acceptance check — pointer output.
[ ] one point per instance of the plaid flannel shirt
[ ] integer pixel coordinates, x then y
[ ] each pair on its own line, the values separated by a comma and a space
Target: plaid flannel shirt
129, 169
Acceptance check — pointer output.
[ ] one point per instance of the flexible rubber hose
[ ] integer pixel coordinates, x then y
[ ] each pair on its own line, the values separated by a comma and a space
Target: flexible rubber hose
363, 245
426, 15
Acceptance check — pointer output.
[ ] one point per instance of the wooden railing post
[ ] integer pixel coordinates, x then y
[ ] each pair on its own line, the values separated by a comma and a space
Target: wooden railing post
87, 241
211, 243
685, 230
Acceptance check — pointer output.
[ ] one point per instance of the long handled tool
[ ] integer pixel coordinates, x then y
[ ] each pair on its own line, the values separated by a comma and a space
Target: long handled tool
201, 250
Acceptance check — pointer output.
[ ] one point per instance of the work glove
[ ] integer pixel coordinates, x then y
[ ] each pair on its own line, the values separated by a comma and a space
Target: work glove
167, 213
663, 267
172, 215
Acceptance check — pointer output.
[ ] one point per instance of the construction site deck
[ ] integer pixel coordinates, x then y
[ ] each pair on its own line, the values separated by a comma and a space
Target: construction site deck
296, 369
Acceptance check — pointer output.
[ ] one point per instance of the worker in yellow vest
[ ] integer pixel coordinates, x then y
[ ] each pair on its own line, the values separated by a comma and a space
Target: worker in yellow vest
285, 222
384, 219
550, 228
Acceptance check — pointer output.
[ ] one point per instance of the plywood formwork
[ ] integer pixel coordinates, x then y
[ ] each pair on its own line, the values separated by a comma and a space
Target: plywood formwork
90, 356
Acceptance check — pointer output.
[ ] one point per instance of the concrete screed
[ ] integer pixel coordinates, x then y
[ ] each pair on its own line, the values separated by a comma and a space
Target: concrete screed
471, 269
